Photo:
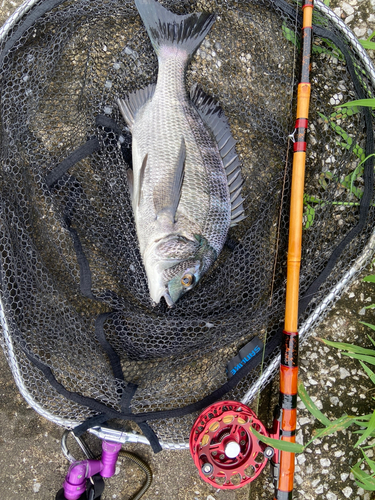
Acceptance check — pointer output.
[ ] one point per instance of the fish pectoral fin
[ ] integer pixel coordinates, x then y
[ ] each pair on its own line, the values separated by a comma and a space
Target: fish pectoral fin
141, 178
167, 194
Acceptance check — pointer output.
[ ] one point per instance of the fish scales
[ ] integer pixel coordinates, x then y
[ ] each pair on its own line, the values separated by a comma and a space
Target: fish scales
204, 198
180, 194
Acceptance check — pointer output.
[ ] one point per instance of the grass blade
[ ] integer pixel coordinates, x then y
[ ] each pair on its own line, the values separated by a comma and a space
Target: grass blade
367, 359
363, 479
370, 278
366, 44
364, 417
337, 425
368, 103
309, 216
368, 431
370, 462
370, 326
360, 424
369, 372
313, 409
291, 36
349, 347
278, 443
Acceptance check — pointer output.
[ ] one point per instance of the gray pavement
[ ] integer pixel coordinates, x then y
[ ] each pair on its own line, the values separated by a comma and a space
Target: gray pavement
32, 466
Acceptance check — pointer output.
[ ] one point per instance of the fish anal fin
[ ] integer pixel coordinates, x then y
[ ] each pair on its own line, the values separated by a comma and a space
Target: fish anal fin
213, 116
167, 194
130, 105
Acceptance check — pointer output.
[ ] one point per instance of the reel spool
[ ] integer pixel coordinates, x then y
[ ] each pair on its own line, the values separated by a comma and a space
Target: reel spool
227, 454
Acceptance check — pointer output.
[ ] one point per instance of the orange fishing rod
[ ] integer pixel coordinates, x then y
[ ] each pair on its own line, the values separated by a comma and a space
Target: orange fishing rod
289, 349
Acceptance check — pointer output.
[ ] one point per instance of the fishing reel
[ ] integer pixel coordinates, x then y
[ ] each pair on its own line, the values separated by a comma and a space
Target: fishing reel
226, 452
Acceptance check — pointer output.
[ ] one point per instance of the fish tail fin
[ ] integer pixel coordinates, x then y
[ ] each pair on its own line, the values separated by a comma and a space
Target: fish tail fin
184, 32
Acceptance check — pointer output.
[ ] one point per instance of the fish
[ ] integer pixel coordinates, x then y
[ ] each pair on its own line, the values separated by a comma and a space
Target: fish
186, 181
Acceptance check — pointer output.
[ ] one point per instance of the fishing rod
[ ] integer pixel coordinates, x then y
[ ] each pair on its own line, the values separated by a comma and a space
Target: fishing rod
222, 442
289, 346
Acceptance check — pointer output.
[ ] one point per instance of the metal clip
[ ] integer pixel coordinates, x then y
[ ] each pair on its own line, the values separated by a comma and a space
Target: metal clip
64, 448
291, 136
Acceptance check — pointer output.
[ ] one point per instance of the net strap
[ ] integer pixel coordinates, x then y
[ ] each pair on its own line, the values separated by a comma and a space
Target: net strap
94, 405
79, 154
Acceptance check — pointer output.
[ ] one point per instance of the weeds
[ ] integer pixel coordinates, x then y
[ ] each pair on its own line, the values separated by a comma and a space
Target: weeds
349, 181
368, 44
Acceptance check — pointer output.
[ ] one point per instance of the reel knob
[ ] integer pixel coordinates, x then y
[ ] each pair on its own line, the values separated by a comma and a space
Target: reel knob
232, 449
225, 451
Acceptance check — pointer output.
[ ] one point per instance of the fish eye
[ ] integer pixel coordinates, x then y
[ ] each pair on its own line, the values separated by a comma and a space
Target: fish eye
187, 279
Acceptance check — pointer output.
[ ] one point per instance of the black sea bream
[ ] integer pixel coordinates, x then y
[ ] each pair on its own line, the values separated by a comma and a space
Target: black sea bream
186, 179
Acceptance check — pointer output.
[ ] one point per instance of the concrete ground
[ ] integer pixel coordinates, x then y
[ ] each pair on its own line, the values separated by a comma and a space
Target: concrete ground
32, 465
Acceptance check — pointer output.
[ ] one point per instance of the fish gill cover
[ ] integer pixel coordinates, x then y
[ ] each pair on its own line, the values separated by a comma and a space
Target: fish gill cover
75, 297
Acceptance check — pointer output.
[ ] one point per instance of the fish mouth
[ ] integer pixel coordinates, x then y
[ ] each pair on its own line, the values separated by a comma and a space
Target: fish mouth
157, 286
165, 238
168, 299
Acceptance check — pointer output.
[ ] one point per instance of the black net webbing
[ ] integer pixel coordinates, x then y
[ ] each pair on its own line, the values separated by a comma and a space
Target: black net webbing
79, 330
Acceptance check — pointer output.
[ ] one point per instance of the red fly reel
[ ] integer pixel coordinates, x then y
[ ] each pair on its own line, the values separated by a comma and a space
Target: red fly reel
226, 452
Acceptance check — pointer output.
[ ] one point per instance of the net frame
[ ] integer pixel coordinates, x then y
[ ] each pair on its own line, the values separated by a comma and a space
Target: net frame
305, 328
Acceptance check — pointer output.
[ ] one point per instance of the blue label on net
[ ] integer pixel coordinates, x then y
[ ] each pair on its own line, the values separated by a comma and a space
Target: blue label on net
249, 351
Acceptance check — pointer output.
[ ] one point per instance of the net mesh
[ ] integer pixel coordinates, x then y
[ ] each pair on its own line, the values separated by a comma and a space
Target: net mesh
69, 250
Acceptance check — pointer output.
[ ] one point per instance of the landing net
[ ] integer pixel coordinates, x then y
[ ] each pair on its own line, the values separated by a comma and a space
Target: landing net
80, 333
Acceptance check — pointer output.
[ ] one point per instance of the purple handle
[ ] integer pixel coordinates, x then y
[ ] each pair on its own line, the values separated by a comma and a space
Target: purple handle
110, 453
75, 482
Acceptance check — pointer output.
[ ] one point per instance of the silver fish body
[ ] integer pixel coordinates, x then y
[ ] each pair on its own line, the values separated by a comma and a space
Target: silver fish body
181, 195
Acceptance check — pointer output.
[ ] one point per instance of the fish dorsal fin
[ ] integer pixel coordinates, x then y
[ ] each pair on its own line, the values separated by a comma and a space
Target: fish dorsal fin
130, 105
167, 194
213, 116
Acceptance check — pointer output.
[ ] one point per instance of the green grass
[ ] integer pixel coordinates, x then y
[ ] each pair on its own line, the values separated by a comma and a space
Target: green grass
347, 182
368, 44
344, 140
366, 423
